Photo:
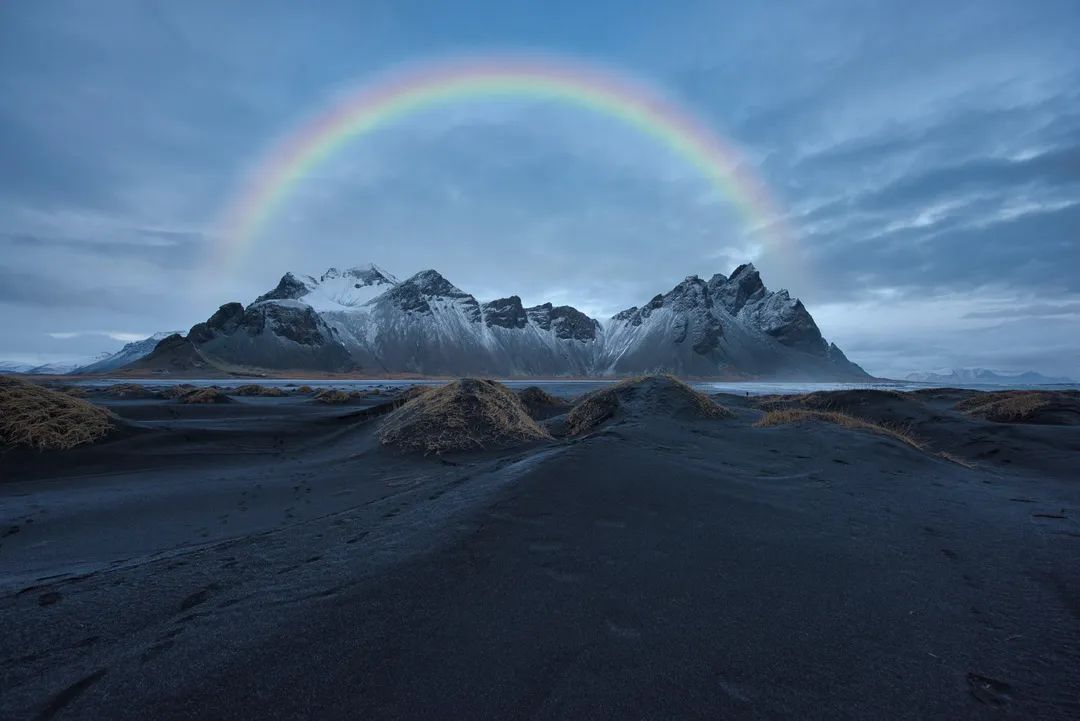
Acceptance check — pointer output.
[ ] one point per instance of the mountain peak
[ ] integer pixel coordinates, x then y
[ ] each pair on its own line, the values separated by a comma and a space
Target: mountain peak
431, 282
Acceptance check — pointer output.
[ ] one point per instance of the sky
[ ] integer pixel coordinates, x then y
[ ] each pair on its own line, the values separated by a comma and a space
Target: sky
924, 156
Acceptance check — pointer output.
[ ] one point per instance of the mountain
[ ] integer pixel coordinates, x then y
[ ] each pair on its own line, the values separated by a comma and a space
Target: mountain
365, 319
983, 376
125, 356
15, 367
55, 368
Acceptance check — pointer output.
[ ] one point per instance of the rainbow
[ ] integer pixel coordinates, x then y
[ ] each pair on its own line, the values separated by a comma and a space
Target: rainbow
418, 86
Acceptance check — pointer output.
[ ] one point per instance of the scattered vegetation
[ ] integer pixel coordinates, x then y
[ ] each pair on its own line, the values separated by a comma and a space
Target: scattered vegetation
178, 391
540, 404
413, 392
657, 395
305, 389
467, 414
40, 418
205, 396
254, 389
1005, 406
801, 415
332, 396
537, 396
130, 390
828, 400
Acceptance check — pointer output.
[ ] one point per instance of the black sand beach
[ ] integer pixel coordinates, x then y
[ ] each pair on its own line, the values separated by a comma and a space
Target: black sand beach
267, 558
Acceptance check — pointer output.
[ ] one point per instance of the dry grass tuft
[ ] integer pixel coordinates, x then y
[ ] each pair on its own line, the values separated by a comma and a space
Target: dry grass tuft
413, 392
331, 396
467, 414
178, 391
1006, 406
650, 394
537, 397
305, 389
254, 389
591, 411
801, 415
46, 419
205, 396
130, 390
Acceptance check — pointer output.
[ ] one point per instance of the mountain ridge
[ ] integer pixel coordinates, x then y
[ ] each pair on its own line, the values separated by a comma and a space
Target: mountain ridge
365, 319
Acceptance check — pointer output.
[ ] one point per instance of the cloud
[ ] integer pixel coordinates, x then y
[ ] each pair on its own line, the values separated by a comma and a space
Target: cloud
920, 163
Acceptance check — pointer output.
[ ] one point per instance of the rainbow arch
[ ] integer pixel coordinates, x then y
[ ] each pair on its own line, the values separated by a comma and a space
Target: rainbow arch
418, 86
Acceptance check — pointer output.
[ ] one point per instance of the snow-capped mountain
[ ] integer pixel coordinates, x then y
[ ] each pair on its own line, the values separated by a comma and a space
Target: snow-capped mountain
335, 289
984, 376
54, 368
363, 318
125, 356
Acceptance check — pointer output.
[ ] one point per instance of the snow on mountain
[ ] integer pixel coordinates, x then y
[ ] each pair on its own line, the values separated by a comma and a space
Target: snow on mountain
363, 318
15, 367
128, 354
984, 376
335, 289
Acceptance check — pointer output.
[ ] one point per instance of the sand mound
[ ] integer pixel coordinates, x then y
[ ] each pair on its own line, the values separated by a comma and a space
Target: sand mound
467, 414
205, 396
661, 395
130, 391
785, 416
45, 419
1050, 407
540, 404
877, 406
332, 396
254, 389
178, 391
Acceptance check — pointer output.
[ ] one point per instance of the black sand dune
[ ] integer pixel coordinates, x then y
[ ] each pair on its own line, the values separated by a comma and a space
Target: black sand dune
267, 558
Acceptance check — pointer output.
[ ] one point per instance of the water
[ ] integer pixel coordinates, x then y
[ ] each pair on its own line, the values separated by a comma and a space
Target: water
565, 388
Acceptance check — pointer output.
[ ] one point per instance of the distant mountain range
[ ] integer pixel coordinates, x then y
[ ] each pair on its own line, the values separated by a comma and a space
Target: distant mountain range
363, 319
968, 376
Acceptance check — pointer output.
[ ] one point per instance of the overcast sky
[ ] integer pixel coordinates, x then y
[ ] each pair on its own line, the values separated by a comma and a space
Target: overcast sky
926, 156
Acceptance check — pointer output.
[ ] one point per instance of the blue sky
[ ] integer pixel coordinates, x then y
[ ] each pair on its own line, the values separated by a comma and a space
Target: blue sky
926, 154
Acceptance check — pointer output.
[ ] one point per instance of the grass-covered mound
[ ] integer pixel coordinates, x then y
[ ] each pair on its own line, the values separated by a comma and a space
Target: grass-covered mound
1057, 407
802, 415
205, 396
467, 414
660, 395
45, 419
254, 389
130, 391
178, 391
332, 396
539, 403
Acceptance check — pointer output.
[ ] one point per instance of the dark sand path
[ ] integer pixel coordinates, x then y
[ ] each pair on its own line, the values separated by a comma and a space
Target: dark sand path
657, 569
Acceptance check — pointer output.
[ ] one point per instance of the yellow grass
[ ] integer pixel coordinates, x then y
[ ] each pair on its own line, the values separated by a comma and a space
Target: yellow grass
204, 396
467, 414
45, 419
332, 396
800, 415
1005, 406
